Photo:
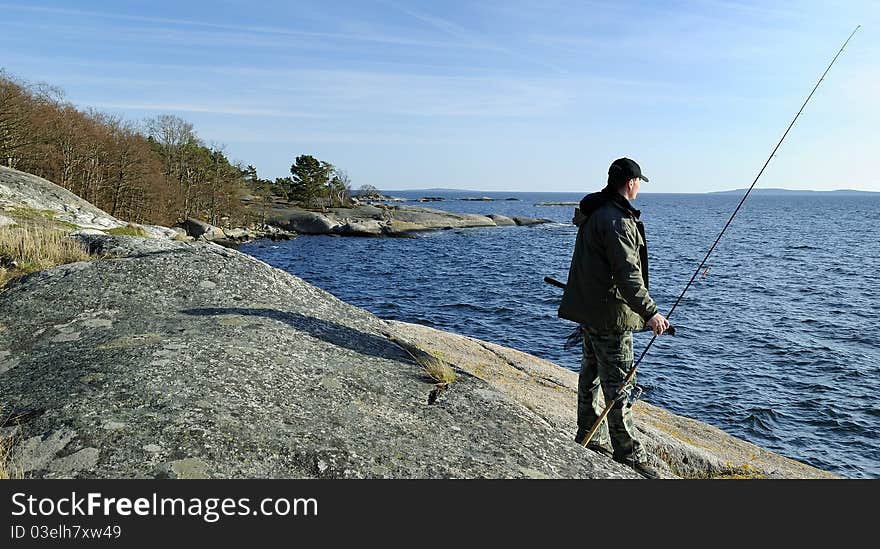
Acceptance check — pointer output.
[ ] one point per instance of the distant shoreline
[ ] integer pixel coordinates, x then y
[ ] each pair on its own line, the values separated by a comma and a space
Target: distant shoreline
800, 191
765, 192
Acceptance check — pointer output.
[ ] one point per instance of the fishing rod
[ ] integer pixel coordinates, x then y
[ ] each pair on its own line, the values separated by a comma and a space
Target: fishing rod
632, 371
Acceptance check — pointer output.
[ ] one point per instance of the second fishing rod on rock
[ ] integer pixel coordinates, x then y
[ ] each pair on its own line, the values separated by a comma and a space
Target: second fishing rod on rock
621, 393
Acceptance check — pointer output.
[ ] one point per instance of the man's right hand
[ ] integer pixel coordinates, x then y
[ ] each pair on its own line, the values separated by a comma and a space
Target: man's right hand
658, 324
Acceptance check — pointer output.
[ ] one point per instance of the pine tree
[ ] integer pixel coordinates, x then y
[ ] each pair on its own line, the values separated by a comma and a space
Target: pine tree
310, 179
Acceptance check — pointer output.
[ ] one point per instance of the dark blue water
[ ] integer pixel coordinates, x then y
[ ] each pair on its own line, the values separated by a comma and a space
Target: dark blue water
777, 343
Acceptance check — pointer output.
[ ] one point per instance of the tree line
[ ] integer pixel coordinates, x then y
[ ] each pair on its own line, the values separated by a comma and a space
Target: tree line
159, 171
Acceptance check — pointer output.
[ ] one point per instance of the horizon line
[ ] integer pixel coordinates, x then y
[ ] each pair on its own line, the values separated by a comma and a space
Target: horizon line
743, 190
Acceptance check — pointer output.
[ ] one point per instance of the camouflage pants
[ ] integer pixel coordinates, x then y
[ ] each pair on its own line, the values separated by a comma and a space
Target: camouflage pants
607, 358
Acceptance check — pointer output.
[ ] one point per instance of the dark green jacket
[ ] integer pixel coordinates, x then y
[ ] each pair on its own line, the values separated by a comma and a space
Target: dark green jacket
608, 279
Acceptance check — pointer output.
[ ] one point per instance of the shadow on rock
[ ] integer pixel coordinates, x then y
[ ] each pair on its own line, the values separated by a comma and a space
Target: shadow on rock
331, 332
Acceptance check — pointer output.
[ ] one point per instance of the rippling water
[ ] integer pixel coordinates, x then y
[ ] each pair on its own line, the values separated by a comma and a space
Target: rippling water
776, 344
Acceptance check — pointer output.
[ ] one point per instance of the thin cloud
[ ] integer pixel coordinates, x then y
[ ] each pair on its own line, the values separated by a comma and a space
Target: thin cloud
293, 135
759, 10
183, 107
381, 38
429, 95
468, 37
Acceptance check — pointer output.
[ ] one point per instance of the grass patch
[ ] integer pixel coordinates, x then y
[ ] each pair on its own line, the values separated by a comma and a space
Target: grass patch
7, 469
33, 217
746, 471
128, 230
64, 225
24, 250
435, 368
23, 212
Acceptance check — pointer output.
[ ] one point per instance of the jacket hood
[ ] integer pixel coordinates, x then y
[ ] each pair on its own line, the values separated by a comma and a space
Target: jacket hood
594, 201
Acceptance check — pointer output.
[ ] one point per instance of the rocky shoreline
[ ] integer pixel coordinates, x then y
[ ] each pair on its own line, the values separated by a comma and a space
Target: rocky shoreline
175, 358
23, 194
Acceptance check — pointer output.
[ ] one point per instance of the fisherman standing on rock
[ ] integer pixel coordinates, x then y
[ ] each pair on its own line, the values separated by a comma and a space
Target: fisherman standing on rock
607, 294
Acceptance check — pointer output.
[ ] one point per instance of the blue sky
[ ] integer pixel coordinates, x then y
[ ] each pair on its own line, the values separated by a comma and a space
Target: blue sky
491, 95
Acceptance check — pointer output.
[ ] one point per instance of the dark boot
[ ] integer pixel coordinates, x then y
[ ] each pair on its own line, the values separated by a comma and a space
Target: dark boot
646, 470
603, 448
643, 468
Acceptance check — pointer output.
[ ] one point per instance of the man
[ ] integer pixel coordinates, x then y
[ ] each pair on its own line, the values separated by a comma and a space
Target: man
607, 294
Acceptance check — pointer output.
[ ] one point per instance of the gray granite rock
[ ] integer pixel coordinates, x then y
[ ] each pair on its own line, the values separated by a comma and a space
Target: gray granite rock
258, 375
365, 211
502, 220
369, 220
430, 218
36, 452
87, 232
26, 194
157, 231
240, 233
366, 227
302, 221
80, 461
197, 228
529, 221
23, 190
102, 244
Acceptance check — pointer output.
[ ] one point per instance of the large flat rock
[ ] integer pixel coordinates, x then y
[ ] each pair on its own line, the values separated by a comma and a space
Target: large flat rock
430, 218
303, 221
368, 220
192, 360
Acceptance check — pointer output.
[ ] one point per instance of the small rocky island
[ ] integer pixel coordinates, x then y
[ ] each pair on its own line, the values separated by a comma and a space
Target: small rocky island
385, 220
165, 357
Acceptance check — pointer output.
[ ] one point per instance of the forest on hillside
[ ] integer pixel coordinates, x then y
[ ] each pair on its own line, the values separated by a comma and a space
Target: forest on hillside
153, 171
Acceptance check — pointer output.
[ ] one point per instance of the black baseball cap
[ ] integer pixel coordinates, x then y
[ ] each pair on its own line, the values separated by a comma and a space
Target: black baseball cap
624, 169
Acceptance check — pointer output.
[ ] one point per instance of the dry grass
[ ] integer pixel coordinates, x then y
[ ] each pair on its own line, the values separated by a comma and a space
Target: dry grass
25, 250
7, 469
436, 369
